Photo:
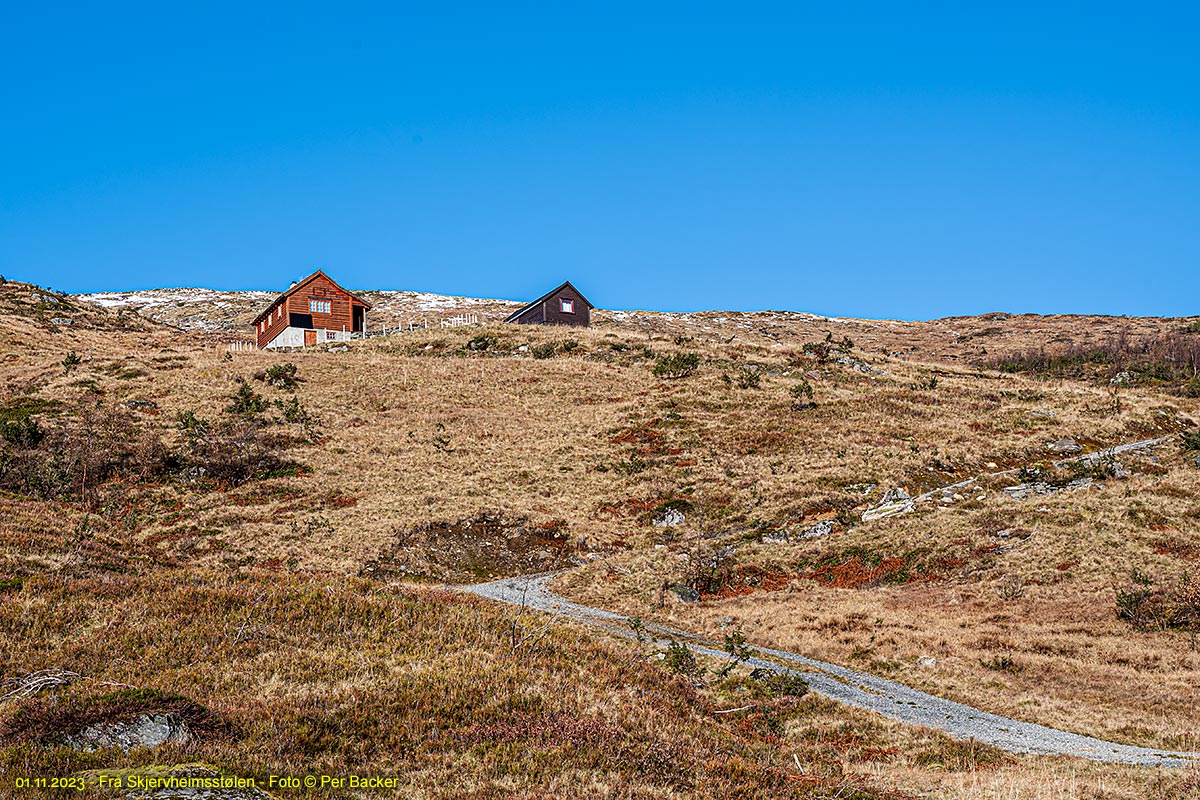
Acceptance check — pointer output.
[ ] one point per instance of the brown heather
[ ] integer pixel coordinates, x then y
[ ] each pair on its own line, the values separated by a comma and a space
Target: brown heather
237, 602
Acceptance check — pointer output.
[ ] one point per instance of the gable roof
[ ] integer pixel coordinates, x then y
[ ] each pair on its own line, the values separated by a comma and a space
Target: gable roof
300, 284
521, 311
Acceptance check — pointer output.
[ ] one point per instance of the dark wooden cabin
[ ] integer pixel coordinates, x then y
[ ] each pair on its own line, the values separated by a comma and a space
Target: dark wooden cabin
312, 311
562, 306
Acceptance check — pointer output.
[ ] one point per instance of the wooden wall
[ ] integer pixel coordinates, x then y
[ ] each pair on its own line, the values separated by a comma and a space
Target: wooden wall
341, 314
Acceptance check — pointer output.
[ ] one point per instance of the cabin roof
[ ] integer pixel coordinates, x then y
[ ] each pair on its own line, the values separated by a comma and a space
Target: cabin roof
523, 309
300, 284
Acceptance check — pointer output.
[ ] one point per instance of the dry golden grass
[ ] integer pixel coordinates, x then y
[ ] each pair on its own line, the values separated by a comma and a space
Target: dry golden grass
420, 428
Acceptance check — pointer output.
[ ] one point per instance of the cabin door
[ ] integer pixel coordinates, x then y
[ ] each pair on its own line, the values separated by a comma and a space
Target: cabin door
310, 338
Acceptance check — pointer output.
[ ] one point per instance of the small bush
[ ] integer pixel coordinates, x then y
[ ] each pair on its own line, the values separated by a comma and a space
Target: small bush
1002, 663
787, 684
294, 413
71, 361
230, 452
749, 377
544, 350
281, 376
22, 432
246, 402
84, 449
569, 344
1190, 440
1012, 587
676, 365
632, 465
802, 395
481, 342
1148, 606
682, 661
828, 349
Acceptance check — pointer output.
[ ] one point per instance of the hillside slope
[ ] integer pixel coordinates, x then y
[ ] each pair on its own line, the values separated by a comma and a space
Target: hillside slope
452, 455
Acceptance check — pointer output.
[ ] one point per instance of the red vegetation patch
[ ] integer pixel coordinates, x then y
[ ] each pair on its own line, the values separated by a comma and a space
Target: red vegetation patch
557, 728
855, 573
1175, 546
629, 507
747, 579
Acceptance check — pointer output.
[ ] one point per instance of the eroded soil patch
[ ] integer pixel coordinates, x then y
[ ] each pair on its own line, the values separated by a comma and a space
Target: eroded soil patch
478, 548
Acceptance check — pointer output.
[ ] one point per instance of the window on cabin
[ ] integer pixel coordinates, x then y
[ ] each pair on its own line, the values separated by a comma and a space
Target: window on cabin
320, 306
567, 306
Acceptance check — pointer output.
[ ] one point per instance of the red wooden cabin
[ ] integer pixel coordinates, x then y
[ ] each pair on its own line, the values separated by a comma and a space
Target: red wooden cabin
312, 311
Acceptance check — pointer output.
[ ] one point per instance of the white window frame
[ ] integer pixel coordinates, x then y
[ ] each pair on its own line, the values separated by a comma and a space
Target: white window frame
320, 306
566, 306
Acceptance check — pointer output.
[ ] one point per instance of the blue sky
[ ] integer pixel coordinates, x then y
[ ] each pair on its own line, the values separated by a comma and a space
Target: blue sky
882, 160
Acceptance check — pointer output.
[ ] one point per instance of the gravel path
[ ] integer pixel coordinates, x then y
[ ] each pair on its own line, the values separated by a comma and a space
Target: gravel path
891, 699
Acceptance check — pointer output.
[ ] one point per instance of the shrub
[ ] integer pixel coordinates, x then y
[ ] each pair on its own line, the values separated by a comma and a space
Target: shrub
749, 377
21, 432
1148, 606
802, 395
1002, 663
84, 450
482, 342
787, 684
1190, 440
544, 350
281, 376
71, 361
632, 465
1170, 357
826, 350
738, 651
191, 426
681, 660
296, 414
1012, 587
230, 452
676, 365
569, 345
246, 402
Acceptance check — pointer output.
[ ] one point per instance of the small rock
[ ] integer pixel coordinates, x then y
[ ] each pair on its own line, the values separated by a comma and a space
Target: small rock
1122, 378
927, 661
895, 495
1043, 413
890, 508
1065, 446
686, 593
822, 528
668, 518
148, 730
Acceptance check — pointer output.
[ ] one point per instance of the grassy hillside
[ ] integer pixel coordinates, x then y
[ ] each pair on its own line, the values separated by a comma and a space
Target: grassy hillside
310, 504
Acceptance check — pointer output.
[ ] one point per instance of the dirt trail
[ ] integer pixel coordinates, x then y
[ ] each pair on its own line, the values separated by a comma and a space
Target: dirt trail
859, 689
